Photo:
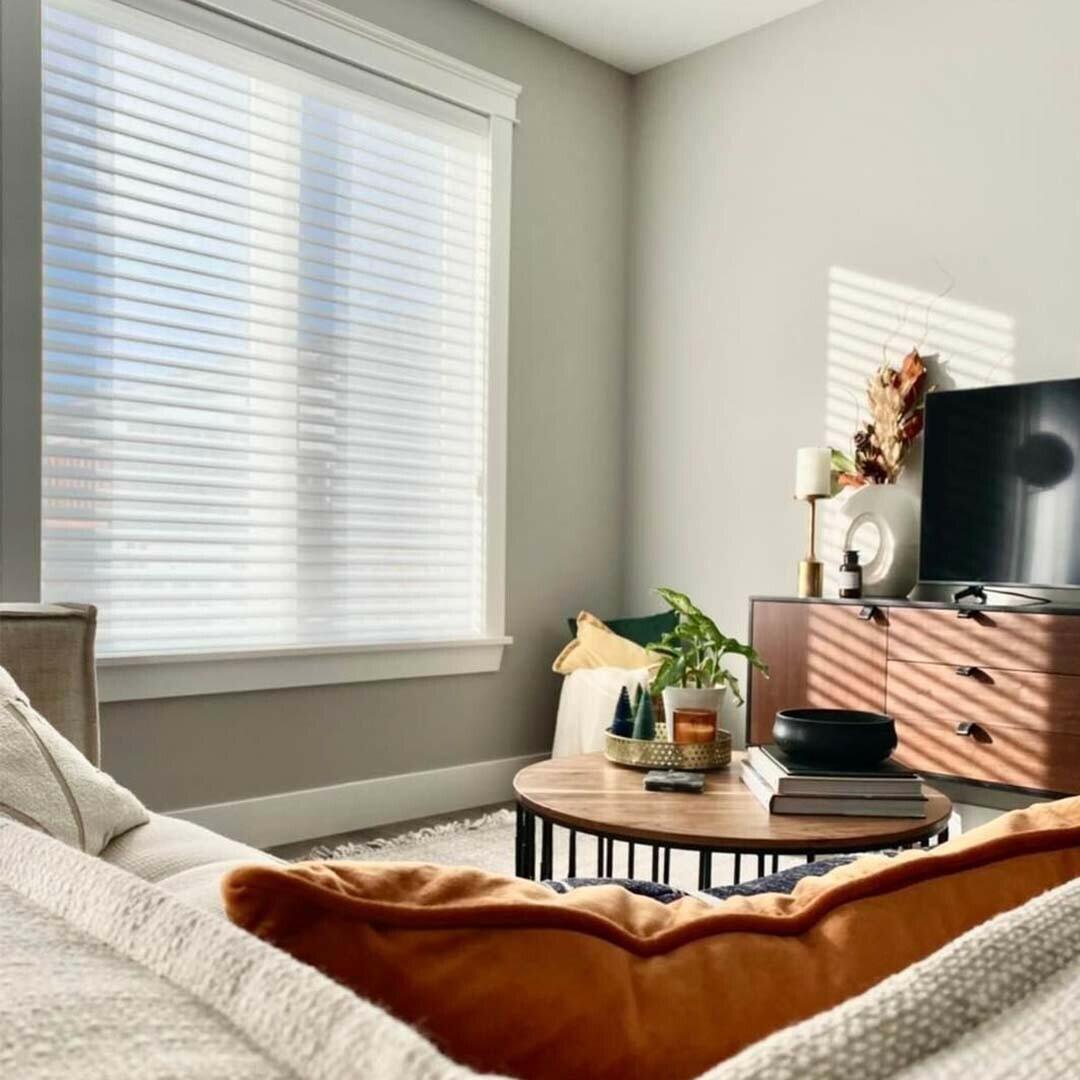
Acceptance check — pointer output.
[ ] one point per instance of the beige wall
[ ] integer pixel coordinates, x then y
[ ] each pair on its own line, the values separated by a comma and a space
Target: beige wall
852, 150
567, 327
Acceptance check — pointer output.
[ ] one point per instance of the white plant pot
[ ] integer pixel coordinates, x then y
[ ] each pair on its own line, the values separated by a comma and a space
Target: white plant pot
691, 697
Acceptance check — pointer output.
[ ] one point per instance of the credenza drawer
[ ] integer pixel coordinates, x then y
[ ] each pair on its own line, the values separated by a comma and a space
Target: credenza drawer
993, 725
993, 639
819, 655
954, 694
993, 753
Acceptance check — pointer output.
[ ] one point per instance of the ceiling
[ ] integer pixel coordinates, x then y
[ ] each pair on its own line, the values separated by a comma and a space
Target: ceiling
635, 35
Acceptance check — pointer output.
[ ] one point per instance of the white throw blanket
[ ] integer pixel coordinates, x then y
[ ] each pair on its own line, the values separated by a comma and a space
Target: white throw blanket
586, 706
1000, 1003
104, 976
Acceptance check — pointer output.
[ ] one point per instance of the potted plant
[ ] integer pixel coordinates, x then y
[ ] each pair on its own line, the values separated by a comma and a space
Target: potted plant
692, 674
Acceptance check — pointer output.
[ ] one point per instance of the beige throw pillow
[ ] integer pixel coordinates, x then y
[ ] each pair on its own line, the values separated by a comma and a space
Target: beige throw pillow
47, 784
597, 646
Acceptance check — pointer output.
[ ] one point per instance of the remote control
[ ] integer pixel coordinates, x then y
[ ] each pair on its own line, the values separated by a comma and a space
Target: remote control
675, 780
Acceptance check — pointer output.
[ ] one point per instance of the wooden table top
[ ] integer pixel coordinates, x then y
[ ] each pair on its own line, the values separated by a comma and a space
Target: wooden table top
590, 793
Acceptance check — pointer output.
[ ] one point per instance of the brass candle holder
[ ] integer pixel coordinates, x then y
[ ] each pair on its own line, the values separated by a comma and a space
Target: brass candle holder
811, 570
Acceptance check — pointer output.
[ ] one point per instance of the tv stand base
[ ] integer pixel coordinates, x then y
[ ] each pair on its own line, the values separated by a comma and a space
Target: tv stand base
976, 592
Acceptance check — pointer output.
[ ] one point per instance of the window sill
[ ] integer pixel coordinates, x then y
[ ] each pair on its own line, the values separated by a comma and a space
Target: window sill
135, 678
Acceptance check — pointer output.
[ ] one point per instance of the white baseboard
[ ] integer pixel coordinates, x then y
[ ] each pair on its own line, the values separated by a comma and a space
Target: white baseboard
360, 804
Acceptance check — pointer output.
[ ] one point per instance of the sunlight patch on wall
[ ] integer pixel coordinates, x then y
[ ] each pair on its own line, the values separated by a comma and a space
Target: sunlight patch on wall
872, 321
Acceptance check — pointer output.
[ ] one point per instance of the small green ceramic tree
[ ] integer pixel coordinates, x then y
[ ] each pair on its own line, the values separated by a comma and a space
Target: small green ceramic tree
645, 720
623, 721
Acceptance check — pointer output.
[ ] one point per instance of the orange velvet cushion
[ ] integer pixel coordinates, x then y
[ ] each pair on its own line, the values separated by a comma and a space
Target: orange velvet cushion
506, 976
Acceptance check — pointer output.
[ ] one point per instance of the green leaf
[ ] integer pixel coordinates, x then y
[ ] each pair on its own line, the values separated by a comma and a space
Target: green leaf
678, 669
663, 650
841, 462
733, 683
751, 656
662, 679
680, 602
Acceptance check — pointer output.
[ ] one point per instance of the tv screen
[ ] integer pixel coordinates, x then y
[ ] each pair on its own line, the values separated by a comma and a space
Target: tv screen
1001, 492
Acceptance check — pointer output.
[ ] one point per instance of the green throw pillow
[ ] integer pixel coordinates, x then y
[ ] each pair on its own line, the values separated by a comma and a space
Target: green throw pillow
643, 630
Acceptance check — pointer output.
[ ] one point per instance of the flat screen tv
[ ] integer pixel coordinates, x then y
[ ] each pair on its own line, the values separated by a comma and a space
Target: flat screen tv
1001, 488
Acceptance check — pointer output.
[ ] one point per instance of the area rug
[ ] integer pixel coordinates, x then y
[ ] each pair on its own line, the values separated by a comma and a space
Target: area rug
488, 843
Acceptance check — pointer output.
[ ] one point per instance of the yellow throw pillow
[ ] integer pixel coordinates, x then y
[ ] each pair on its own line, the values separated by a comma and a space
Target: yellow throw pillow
597, 646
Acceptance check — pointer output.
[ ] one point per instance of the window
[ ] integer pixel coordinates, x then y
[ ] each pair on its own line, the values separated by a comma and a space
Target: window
272, 376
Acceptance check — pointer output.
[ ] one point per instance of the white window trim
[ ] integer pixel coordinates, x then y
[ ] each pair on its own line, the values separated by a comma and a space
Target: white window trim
128, 678
335, 33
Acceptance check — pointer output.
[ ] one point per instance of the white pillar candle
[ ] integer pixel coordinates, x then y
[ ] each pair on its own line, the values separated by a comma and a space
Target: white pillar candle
813, 471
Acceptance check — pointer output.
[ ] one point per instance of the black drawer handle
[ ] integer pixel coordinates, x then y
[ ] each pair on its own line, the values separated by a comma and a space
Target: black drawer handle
972, 730
969, 672
868, 613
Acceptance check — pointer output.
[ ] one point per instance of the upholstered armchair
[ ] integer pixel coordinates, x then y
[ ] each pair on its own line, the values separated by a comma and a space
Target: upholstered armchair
49, 651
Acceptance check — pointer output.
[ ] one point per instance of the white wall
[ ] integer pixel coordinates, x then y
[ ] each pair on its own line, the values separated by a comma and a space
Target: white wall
796, 190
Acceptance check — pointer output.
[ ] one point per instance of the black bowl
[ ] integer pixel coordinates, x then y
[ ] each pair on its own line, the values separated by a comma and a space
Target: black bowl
835, 738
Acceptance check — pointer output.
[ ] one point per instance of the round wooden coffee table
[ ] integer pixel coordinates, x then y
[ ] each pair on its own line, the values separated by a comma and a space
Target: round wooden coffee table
589, 794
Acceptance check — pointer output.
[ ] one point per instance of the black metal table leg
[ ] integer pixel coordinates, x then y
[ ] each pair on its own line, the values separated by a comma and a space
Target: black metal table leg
775, 863
705, 870
655, 863
547, 850
738, 869
630, 860
599, 856
761, 864
667, 866
571, 862
526, 844
811, 857
519, 832
610, 857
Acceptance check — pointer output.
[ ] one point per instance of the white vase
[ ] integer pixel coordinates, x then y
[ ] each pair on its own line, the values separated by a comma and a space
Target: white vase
691, 697
893, 512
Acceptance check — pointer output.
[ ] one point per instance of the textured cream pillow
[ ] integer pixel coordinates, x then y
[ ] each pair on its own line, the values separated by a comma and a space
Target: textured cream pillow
47, 784
597, 646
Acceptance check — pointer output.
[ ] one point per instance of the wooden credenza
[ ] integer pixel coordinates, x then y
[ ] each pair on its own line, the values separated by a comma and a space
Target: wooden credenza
989, 695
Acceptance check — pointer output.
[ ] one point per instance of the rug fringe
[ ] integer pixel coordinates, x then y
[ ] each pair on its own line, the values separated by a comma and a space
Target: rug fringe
428, 832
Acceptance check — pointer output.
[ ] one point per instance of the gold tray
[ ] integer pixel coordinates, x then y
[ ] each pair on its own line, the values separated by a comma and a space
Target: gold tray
661, 754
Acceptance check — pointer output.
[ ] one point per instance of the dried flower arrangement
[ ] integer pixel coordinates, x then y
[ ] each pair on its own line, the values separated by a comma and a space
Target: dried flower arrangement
896, 420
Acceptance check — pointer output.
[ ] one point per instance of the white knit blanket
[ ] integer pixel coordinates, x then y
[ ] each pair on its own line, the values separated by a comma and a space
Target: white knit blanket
1000, 1003
104, 976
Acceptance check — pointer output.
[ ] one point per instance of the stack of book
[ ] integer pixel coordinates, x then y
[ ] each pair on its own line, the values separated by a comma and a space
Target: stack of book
783, 786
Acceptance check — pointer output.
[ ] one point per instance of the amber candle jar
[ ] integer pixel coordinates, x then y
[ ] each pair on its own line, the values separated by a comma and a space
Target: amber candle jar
695, 725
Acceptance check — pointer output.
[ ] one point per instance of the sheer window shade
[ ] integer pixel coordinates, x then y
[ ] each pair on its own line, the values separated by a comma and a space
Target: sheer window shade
265, 345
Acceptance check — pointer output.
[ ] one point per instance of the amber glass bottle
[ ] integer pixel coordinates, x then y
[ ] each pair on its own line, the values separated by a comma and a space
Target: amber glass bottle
850, 576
